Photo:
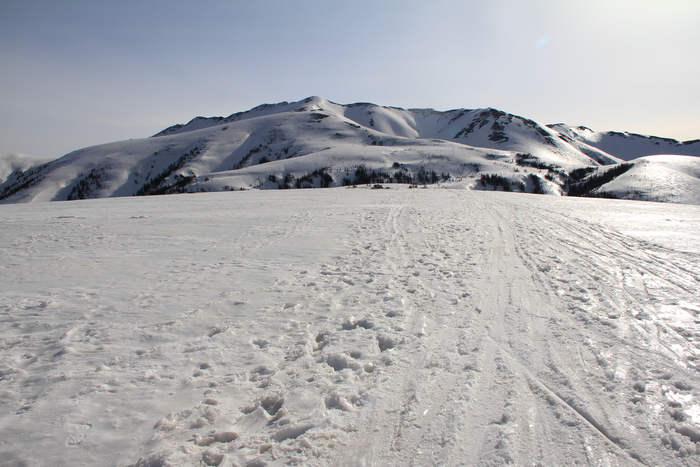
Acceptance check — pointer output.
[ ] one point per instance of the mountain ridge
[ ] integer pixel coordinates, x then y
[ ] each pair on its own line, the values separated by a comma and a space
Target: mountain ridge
318, 143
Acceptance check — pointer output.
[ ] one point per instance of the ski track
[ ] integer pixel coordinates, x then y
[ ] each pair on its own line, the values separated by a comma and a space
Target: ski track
345, 327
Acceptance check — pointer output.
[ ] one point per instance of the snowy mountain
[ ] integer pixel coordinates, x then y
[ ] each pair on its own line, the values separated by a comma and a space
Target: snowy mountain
318, 143
350, 327
624, 145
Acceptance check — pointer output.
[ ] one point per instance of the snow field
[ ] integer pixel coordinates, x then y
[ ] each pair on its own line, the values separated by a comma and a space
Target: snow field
349, 327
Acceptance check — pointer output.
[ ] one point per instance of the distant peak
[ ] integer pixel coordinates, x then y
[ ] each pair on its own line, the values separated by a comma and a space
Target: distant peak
314, 103
313, 99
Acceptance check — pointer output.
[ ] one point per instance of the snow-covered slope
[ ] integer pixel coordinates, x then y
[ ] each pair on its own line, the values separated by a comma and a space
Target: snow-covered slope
487, 128
318, 143
625, 145
350, 327
658, 178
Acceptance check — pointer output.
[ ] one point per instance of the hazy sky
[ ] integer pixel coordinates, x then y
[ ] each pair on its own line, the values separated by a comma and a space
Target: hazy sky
76, 73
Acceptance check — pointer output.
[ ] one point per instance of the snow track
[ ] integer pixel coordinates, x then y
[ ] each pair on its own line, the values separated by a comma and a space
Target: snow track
348, 327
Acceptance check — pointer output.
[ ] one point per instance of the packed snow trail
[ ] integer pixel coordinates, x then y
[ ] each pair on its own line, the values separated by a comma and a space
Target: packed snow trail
350, 327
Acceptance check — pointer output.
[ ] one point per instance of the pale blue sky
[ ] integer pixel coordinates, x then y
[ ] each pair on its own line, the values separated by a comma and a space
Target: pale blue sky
82, 72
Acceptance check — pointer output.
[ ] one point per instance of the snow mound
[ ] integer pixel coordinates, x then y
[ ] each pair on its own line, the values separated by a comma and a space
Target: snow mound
664, 178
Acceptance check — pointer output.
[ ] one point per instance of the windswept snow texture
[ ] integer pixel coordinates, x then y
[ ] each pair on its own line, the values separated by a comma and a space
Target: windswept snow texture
316, 143
350, 327
14, 162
